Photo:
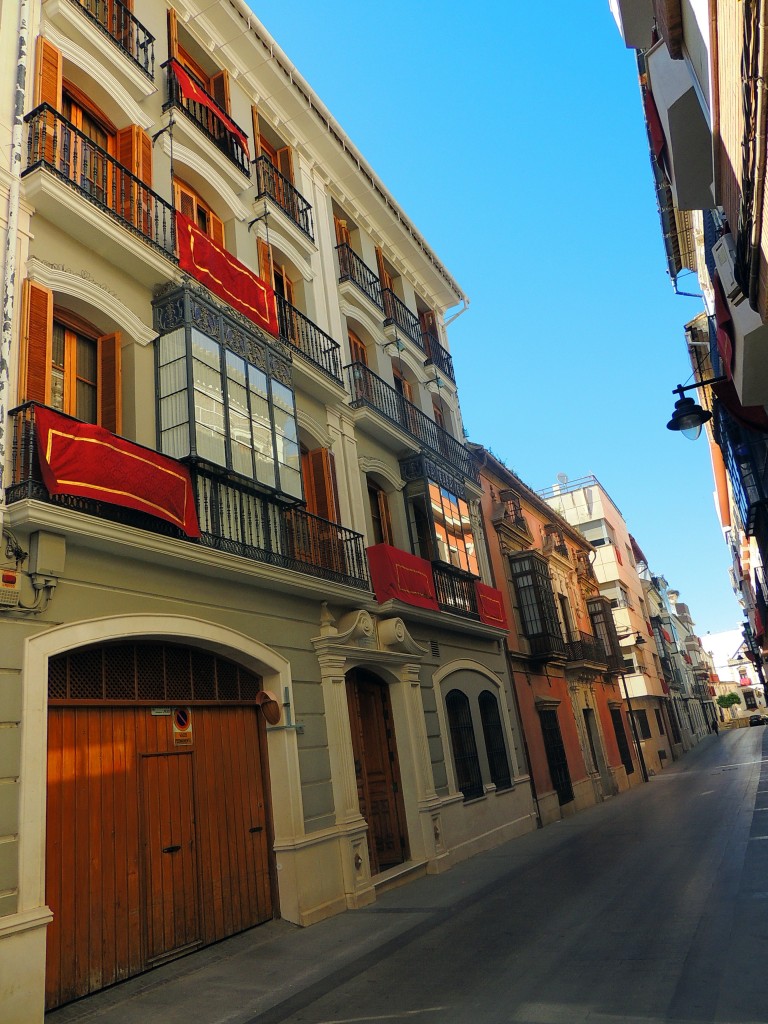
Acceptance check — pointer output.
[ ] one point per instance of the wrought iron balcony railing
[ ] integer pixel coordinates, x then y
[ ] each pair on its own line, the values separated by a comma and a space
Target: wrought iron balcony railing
233, 516
455, 590
270, 182
55, 143
315, 345
213, 124
396, 312
437, 355
368, 389
585, 647
352, 268
547, 645
116, 21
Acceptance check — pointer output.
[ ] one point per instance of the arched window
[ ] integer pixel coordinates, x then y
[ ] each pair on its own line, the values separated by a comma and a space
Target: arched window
465, 759
493, 734
380, 518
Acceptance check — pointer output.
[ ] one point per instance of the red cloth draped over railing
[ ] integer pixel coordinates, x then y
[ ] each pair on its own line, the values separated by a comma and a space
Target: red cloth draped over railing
490, 605
226, 276
90, 462
401, 576
190, 90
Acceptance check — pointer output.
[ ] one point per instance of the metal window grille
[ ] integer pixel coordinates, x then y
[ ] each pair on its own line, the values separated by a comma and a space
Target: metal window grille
556, 758
465, 759
621, 740
493, 734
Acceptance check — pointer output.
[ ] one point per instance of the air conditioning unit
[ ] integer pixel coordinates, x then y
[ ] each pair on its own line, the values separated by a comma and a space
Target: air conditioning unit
10, 589
724, 254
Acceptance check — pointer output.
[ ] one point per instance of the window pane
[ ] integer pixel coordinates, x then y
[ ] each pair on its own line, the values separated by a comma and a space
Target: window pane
493, 734
85, 402
468, 777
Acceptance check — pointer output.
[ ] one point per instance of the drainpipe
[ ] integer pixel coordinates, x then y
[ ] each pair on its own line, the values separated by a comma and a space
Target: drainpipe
760, 147
11, 241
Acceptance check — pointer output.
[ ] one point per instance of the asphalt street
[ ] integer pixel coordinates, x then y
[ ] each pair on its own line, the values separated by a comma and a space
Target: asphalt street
651, 907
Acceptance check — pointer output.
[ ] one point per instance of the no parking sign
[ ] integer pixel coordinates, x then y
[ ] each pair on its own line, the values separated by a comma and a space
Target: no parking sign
182, 727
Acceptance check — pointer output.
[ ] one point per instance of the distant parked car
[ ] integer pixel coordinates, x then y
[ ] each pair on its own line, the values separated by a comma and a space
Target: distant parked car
757, 719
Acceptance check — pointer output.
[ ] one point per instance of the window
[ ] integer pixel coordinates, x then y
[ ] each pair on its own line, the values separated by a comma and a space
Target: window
535, 597
493, 734
603, 625
380, 518
566, 619
318, 470
621, 740
659, 722
598, 532
66, 363
468, 777
557, 761
357, 351
216, 405
453, 530
402, 386
641, 721
194, 207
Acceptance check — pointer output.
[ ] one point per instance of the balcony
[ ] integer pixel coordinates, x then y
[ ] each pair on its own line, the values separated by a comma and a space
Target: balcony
275, 186
547, 646
315, 345
368, 389
397, 314
212, 120
455, 590
53, 142
233, 517
438, 356
585, 647
115, 20
352, 268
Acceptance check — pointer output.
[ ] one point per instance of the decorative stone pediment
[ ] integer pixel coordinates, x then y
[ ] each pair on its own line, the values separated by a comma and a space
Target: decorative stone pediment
358, 631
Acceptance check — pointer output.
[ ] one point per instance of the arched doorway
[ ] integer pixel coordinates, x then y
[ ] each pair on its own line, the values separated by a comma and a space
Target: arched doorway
159, 832
377, 769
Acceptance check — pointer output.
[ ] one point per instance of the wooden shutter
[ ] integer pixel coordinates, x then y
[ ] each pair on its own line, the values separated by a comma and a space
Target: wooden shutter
216, 229
320, 486
108, 389
220, 89
285, 163
256, 129
384, 276
342, 231
185, 201
48, 79
36, 343
173, 34
384, 517
265, 262
134, 152
357, 349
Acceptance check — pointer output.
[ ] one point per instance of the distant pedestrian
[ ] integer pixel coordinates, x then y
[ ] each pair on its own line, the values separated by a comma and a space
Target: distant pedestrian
715, 728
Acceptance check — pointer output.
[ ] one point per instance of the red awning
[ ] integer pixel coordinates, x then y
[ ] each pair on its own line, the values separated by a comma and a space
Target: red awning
637, 551
752, 416
226, 276
401, 576
190, 90
655, 128
666, 635
490, 605
724, 324
86, 460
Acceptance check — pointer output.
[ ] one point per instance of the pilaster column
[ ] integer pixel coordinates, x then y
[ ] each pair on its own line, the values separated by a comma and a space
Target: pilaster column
425, 783
343, 780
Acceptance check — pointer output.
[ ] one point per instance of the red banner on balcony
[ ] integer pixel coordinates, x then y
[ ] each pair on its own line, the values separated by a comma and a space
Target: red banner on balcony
190, 90
401, 576
90, 462
226, 276
724, 327
490, 605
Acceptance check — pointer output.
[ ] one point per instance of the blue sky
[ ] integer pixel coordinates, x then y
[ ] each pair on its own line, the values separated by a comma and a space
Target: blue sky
516, 144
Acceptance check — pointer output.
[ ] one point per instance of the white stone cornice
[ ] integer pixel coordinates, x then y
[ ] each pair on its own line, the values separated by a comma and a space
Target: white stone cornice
68, 282
200, 165
354, 312
96, 70
380, 468
314, 427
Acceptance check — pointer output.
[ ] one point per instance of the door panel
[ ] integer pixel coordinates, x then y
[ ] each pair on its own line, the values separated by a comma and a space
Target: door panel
170, 853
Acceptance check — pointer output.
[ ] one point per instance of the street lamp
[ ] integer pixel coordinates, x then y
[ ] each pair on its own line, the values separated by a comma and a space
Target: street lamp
688, 416
638, 641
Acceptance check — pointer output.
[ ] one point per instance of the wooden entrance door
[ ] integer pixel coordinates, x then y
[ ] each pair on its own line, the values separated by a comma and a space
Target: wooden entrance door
153, 847
377, 770
170, 854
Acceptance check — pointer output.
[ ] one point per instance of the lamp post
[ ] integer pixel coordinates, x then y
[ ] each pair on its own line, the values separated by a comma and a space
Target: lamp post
639, 640
688, 416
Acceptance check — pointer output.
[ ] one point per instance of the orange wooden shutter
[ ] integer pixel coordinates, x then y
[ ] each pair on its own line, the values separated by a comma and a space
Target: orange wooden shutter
173, 34
285, 163
127, 154
342, 231
321, 489
384, 517
108, 386
265, 263
256, 129
287, 287
220, 89
185, 201
384, 276
36, 343
48, 80
216, 229
357, 349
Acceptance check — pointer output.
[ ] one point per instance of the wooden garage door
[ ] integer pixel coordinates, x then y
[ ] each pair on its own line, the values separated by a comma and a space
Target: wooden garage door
158, 839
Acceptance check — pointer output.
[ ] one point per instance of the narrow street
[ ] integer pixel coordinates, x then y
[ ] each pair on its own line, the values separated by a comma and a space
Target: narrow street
651, 907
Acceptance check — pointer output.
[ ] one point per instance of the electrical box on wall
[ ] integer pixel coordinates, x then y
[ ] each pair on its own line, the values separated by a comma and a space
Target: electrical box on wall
10, 588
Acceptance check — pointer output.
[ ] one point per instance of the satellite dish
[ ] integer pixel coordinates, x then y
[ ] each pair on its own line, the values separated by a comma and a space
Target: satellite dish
562, 478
